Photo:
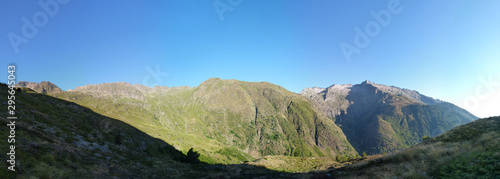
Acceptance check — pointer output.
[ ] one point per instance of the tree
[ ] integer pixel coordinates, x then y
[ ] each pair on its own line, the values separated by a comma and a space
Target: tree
192, 156
364, 154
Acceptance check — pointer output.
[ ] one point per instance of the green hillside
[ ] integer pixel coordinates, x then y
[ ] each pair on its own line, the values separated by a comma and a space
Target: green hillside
227, 121
61, 139
467, 151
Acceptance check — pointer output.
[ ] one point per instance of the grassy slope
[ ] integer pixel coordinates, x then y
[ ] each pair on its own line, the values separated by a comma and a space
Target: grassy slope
60, 139
227, 121
467, 151
307, 164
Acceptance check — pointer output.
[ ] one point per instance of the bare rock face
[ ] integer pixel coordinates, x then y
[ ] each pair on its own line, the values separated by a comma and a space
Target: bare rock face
44, 87
377, 118
330, 100
26, 84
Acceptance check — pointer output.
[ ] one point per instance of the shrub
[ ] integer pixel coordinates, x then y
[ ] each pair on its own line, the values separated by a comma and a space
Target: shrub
364, 154
119, 140
192, 156
69, 139
472, 165
296, 153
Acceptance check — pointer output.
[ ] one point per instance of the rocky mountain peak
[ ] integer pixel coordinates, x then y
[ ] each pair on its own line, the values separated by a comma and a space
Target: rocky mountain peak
312, 90
43, 87
366, 82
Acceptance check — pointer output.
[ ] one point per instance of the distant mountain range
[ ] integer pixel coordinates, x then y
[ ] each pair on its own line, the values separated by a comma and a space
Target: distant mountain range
232, 121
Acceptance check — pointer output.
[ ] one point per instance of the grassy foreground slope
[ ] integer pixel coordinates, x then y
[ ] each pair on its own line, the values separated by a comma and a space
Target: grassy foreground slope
468, 151
227, 121
60, 139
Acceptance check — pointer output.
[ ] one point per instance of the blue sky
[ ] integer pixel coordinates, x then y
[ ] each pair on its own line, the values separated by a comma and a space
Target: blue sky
440, 48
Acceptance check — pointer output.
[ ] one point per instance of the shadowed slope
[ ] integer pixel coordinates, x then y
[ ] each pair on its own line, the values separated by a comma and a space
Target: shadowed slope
60, 139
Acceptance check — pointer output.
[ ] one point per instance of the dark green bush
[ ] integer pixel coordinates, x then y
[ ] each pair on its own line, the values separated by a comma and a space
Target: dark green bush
192, 156
472, 165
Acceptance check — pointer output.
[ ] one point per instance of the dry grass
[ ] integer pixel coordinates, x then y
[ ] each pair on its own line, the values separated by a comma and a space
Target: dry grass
305, 164
469, 151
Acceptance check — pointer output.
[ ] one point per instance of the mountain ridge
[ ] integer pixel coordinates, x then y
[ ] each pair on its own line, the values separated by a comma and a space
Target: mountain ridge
393, 112
229, 121
379, 118
62, 139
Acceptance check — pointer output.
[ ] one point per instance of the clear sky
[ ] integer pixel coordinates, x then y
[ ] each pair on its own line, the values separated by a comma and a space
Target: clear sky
444, 49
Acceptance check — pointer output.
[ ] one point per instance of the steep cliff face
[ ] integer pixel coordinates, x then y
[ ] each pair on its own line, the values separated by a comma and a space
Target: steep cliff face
378, 118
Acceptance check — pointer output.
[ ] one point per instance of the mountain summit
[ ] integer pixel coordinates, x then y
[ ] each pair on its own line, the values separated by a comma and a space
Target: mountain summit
44, 87
377, 118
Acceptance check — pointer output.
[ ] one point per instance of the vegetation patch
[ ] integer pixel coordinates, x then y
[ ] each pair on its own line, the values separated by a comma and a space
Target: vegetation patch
472, 165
